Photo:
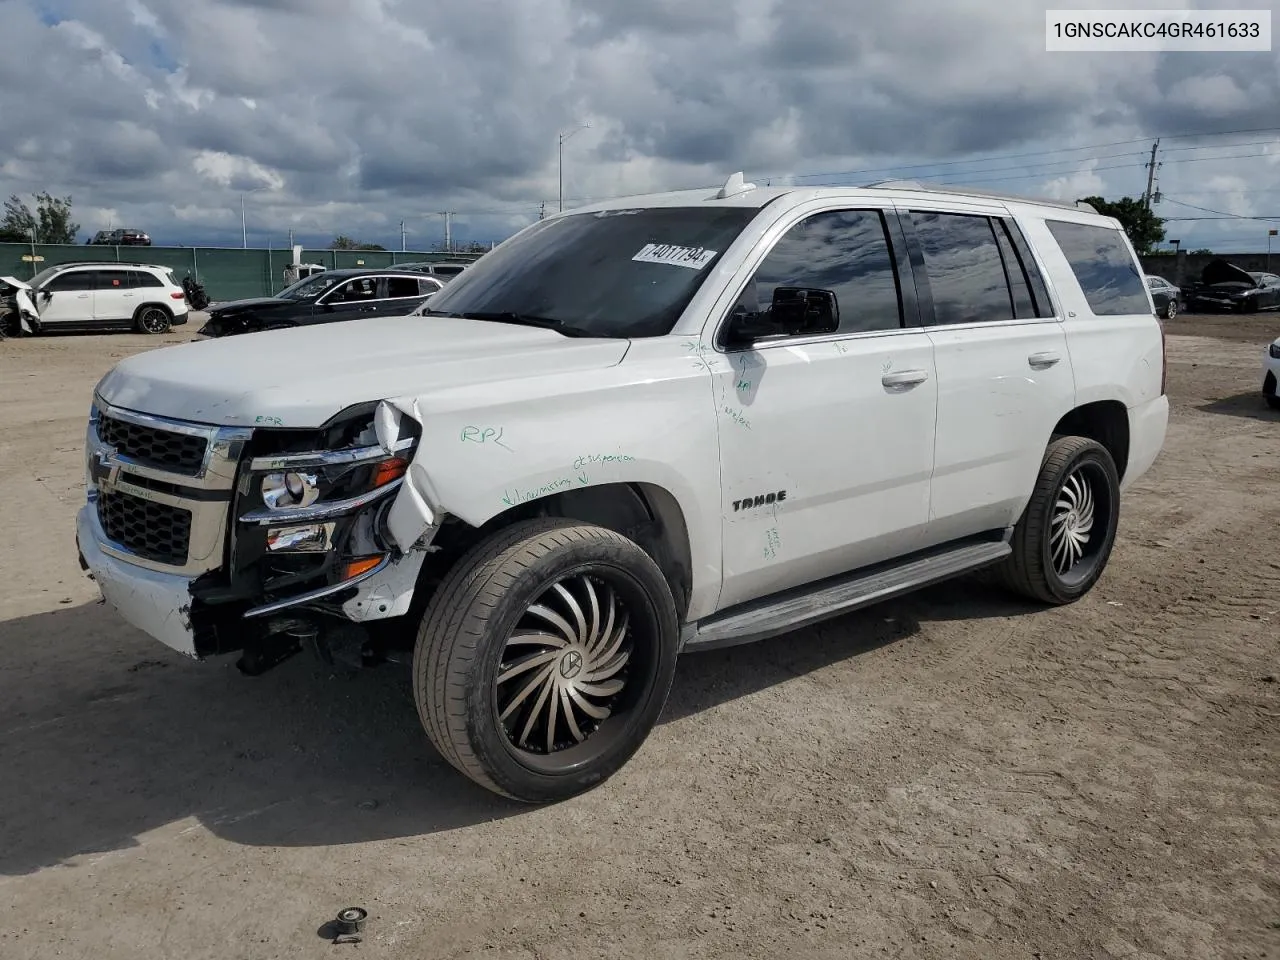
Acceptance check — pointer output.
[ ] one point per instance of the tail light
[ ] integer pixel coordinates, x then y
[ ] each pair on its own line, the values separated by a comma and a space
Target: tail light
1164, 359
178, 296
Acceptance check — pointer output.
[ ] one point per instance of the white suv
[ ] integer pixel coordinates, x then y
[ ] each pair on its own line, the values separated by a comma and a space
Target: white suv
84, 296
650, 425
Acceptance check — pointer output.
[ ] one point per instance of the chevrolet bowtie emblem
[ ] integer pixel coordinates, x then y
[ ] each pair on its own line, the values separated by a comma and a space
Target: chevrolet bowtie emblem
105, 470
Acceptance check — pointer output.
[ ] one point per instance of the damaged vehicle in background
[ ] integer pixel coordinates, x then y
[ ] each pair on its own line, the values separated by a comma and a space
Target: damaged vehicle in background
89, 295
1223, 286
327, 297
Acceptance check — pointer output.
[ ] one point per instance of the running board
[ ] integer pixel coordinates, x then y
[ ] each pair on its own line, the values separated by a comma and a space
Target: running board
760, 620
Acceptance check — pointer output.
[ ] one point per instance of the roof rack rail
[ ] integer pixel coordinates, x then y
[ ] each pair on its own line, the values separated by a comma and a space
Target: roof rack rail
972, 192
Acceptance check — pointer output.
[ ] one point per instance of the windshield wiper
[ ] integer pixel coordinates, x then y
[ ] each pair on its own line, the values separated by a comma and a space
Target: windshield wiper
521, 319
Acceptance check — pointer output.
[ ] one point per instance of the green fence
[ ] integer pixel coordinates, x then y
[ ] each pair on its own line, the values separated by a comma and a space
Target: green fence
228, 273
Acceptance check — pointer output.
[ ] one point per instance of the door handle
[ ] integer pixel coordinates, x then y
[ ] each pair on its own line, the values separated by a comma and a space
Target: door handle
904, 378
1044, 359
83, 296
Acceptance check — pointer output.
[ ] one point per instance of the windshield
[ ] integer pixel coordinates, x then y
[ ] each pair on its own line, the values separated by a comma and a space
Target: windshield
309, 288
43, 275
615, 273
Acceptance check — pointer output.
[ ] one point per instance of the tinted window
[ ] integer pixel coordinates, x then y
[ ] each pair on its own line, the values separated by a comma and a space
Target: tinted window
144, 279
613, 273
361, 288
448, 271
115, 279
965, 270
1030, 296
403, 287
844, 251
71, 280
427, 285
1111, 281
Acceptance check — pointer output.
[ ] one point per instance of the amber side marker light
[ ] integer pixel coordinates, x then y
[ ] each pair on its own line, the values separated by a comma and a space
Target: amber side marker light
356, 567
389, 470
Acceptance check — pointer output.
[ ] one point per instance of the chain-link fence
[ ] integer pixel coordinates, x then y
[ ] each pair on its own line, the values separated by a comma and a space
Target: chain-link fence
228, 273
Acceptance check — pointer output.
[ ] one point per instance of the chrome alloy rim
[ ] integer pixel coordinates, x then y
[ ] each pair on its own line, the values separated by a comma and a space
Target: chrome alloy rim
1072, 525
564, 666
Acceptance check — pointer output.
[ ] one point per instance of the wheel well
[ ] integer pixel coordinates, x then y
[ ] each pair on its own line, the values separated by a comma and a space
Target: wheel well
1107, 422
144, 306
643, 512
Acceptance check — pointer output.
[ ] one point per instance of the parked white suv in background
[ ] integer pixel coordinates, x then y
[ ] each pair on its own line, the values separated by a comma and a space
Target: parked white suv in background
90, 296
1270, 374
654, 424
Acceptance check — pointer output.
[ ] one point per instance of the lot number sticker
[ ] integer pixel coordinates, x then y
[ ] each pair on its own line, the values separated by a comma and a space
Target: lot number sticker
695, 258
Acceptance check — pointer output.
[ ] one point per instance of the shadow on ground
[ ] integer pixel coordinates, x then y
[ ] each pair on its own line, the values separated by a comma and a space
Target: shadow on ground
1250, 406
108, 736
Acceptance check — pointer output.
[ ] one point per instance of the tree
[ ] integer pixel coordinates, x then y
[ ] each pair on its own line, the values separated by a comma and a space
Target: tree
1144, 228
343, 242
51, 221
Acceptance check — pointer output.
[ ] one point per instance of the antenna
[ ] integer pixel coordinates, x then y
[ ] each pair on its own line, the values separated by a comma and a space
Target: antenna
734, 186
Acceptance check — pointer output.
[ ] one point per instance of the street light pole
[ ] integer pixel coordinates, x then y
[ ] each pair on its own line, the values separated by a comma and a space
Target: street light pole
244, 234
563, 137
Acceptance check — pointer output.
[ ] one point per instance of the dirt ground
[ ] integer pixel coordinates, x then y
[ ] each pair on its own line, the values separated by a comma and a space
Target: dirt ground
953, 774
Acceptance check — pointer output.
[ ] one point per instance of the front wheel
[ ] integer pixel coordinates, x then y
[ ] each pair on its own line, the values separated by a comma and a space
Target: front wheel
545, 658
1063, 540
1171, 309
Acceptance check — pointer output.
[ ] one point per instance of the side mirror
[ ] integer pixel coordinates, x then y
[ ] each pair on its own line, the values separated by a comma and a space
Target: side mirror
805, 310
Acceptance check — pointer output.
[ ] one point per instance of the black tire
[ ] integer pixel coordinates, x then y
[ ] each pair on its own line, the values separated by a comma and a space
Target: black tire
152, 319
1031, 569
467, 629
1171, 309
1273, 401
1270, 389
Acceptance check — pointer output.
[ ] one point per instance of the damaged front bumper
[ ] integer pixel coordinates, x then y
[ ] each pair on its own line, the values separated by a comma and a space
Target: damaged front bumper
213, 540
158, 604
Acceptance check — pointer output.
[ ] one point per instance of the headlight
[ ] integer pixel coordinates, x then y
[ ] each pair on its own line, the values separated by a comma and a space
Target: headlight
1274, 350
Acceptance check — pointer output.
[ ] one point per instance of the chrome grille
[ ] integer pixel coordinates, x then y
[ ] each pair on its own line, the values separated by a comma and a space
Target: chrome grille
154, 531
164, 449
161, 488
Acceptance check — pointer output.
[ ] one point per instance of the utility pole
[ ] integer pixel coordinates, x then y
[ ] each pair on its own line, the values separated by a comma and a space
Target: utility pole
291, 238
448, 235
1151, 175
403, 241
563, 137
244, 235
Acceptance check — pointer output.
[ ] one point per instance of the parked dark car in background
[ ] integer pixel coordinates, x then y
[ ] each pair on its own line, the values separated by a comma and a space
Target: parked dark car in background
1165, 296
130, 238
120, 238
1225, 287
325, 298
445, 271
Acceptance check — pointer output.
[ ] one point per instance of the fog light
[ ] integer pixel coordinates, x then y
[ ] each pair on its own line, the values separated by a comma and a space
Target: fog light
281, 491
308, 538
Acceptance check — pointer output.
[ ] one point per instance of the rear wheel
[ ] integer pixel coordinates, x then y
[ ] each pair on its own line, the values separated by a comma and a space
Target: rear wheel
1171, 309
152, 320
545, 658
1064, 538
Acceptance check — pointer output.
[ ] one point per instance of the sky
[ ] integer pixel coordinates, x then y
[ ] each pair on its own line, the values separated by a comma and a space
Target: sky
330, 117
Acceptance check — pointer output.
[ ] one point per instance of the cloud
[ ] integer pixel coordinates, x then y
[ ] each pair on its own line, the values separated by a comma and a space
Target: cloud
351, 115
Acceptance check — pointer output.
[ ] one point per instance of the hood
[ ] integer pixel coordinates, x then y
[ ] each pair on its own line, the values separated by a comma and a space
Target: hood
300, 377
15, 282
250, 303
1220, 271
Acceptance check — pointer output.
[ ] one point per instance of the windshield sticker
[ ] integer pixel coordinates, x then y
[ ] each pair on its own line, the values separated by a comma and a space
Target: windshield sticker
695, 258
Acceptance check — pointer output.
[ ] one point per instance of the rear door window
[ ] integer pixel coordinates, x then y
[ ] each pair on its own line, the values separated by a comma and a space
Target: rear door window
965, 268
1104, 268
